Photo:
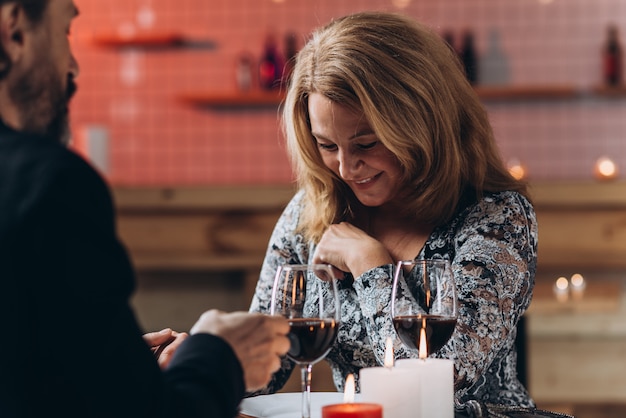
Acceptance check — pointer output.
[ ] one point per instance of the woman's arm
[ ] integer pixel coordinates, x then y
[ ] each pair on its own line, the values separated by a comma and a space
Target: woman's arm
285, 247
494, 266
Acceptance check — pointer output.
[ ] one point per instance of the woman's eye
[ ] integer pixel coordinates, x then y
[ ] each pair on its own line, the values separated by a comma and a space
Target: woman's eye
327, 147
367, 146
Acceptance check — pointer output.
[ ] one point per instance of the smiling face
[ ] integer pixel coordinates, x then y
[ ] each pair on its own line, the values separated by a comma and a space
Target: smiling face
350, 148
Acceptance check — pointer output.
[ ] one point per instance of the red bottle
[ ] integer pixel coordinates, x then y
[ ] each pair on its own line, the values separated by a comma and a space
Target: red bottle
612, 58
270, 65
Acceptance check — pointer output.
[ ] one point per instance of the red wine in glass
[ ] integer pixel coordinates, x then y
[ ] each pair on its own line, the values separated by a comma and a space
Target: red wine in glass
311, 338
306, 294
438, 330
424, 304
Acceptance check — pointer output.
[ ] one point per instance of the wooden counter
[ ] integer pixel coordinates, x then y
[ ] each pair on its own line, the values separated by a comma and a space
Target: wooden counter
576, 350
219, 229
581, 225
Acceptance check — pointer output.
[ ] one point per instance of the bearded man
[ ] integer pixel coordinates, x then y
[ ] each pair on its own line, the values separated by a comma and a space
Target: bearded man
71, 345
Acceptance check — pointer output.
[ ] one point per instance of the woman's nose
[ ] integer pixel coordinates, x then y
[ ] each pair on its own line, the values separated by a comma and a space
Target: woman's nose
348, 164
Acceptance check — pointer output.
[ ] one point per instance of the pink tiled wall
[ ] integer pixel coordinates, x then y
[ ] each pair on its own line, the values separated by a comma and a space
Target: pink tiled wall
153, 139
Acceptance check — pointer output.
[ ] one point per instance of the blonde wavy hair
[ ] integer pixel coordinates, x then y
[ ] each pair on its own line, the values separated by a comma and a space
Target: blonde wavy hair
412, 89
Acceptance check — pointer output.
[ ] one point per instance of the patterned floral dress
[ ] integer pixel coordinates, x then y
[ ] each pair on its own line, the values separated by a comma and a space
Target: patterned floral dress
492, 246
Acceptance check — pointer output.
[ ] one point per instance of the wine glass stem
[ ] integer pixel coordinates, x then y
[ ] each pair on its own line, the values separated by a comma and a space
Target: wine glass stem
306, 390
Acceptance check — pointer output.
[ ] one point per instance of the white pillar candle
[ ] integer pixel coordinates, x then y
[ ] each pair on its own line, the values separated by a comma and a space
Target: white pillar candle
435, 398
395, 389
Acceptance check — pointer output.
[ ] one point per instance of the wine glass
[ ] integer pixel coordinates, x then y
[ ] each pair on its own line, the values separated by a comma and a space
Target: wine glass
424, 304
306, 294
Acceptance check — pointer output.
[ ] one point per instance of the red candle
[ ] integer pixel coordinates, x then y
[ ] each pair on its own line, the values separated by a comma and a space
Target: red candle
353, 410
350, 409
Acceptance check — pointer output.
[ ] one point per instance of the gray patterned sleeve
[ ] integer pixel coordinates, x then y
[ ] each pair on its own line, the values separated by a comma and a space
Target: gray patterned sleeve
494, 263
285, 247
373, 289
493, 252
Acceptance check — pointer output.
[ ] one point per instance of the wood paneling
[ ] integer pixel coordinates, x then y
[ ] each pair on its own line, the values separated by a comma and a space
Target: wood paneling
576, 350
200, 229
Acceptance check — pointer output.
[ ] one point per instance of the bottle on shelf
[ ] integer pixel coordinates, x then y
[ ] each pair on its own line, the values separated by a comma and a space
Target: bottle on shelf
270, 65
448, 36
612, 58
291, 49
469, 57
244, 72
494, 63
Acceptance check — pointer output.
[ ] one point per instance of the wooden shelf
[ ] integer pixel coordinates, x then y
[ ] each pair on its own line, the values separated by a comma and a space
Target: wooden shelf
609, 91
258, 98
254, 98
526, 92
149, 40
214, 198
167, 261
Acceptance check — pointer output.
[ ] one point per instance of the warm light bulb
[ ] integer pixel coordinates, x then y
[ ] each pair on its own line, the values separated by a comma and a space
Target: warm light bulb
516, 169
348, 391
146, 17
605, 169
401, 4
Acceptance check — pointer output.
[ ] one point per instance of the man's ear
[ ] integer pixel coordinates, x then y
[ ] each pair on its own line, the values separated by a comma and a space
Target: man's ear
13, 25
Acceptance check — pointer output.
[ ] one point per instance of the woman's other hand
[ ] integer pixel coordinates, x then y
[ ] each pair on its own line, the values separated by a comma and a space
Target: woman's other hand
349, 249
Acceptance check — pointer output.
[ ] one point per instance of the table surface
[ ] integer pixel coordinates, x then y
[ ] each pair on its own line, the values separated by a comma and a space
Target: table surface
287, 405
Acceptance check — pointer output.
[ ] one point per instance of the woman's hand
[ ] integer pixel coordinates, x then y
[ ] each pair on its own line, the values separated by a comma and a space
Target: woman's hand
349, 249
164, 344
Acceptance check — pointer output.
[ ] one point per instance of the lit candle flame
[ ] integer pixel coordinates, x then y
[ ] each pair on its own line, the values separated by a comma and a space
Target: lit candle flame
348, 392
577, 286
561, 289
562, 283
423, 351
388, 353
577, 281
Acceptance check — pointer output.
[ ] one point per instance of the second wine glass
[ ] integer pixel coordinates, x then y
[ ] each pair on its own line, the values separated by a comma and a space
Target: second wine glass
424, 304
306, 294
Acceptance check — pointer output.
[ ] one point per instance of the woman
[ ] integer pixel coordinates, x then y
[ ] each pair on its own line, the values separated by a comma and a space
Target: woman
395, 159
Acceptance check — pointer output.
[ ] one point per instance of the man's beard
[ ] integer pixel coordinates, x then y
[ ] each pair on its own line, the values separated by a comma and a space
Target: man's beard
42, 103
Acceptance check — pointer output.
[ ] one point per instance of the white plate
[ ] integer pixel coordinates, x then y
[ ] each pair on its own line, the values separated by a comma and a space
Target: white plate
288, 405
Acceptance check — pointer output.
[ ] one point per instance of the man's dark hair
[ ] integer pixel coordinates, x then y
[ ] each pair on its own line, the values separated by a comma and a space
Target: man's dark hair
34, 10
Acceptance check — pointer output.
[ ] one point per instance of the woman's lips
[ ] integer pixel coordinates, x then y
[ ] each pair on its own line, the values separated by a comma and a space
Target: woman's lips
366, 181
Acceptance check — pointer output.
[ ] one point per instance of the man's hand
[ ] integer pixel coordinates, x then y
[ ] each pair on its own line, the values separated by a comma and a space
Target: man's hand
164, 344
258, 341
